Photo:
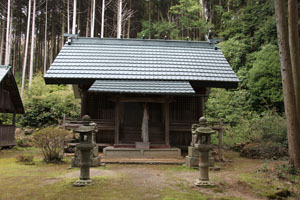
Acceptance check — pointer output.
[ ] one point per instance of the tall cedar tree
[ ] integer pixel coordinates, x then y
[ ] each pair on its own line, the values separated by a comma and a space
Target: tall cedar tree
293, 124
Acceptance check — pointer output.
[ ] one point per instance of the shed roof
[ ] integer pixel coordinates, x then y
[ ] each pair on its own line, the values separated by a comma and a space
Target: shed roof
3, 71
135, 59
9, 84
142, 86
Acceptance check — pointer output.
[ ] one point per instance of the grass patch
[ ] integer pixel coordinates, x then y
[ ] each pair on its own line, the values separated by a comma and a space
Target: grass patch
262, 186
186, 194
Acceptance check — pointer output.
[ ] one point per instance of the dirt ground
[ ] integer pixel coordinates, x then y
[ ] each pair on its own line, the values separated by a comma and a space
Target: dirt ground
238, 179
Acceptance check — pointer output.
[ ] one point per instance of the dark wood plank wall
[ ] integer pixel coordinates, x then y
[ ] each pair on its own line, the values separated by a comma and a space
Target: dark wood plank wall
183, 111
99, 107
6, 104
7, 135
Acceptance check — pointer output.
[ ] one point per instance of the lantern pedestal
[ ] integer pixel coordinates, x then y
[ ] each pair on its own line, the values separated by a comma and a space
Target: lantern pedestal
85, 146
80, 183
201, 145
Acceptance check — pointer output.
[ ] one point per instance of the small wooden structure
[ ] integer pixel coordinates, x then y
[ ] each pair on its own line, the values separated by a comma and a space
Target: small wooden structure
10, 102
116, 78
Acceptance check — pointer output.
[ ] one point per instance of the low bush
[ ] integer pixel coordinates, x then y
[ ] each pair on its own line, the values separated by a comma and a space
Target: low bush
25, 141
25, 159
51, 141
262, 134
265, 150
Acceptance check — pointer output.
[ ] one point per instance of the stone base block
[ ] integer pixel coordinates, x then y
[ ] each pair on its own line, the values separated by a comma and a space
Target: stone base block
192, 162
134, 152
201, 183
81, 183
142, 145
193, 152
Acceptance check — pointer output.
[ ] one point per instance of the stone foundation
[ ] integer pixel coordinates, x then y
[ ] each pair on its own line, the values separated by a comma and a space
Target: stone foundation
133, 152
192, 159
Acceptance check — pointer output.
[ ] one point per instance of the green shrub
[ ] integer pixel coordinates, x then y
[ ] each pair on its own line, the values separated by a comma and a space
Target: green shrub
25, 159
51, 141
264, 80
265, 150
6, 118
25, 141
230, 106
47, 104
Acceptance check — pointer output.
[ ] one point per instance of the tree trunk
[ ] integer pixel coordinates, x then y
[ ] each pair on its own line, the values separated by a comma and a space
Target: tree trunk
32, 44
62, 28
102, 18
68, 17
88, 15
294, 49
45, 44
74, 17
129, 22
2, 41
10, 35
288, 85
7, 34
26, 47
93, 18
119, 20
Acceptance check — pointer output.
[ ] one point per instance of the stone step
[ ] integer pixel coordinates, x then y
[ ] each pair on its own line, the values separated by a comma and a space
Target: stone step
134, 152
153, 161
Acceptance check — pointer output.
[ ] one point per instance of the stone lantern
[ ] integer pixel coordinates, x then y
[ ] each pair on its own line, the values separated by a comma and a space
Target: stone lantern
201, 140
85, 146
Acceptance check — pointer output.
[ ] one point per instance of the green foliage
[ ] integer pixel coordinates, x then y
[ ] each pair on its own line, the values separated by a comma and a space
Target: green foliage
183, 19
5, 118
46, 104
165, 28
283, 171
25, 141
158, 30
264, 80
235, 50
242, 122
230, 106
188, 12
51, 141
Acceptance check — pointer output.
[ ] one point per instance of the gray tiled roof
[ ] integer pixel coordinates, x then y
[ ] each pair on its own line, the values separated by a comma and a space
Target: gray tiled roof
3, 71
142, 86
94, 58
8, 83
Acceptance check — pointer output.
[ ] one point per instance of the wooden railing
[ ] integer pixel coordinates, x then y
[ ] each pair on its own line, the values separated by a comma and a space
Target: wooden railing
7, 135
101, 124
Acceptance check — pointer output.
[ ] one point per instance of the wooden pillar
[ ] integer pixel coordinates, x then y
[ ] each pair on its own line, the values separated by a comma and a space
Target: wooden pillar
201, 113
117, 122
83, 101
220, 141
167, 123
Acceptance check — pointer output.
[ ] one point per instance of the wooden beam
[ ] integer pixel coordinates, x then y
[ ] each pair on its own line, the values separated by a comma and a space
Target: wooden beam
201, 107
83, 101
220, 142
117, 122
141, 99
167, 123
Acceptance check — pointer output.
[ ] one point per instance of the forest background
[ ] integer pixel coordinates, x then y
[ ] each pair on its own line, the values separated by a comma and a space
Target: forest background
252, 113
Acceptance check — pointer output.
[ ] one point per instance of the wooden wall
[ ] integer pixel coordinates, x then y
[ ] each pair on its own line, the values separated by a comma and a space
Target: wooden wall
184, 110
7, 135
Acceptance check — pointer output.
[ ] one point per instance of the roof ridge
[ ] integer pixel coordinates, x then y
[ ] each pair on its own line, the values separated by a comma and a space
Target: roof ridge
142, 42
